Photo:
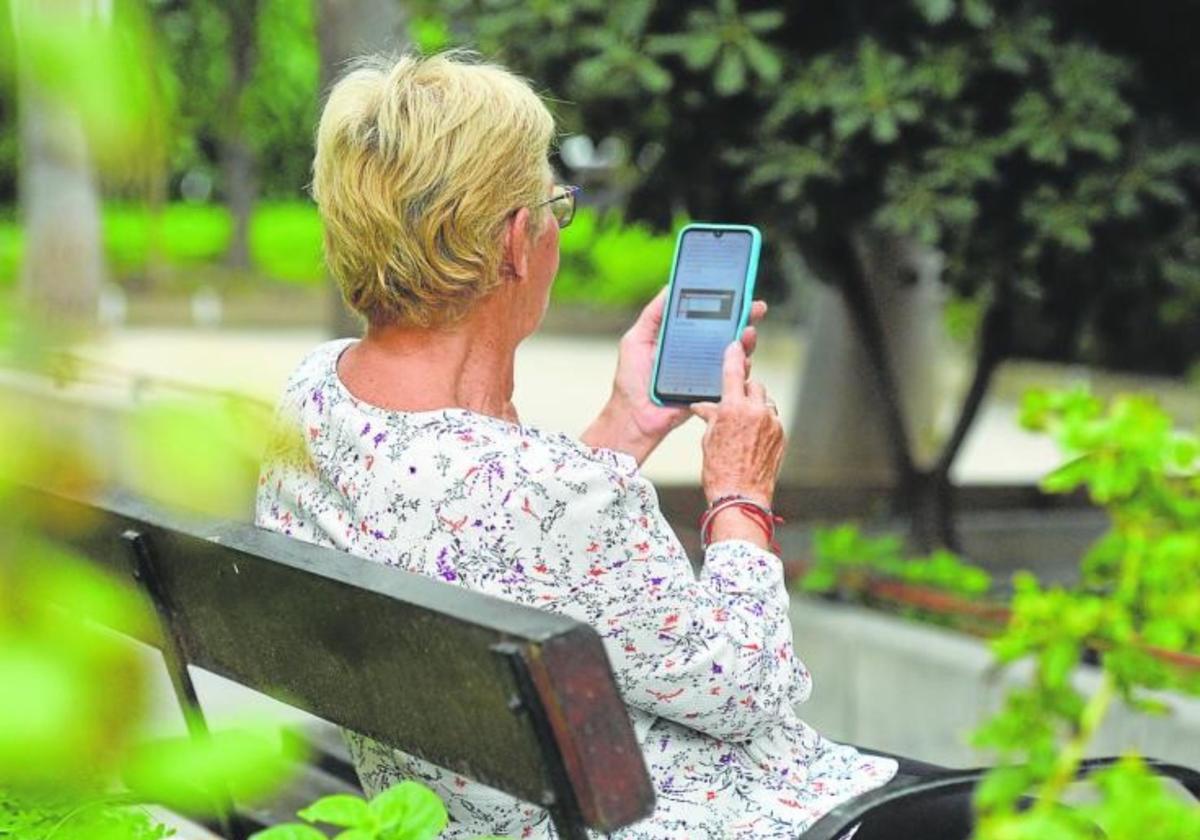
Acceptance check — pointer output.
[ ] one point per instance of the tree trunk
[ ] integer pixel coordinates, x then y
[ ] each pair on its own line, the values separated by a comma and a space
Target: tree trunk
347, 29
238, 168
993, 346
868, 397
63, 266
241, 191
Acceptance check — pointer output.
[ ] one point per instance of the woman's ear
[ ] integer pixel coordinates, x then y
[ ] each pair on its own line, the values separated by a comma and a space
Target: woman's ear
515, 262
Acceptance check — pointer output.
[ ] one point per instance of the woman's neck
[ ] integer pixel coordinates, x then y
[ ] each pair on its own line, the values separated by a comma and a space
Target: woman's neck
469, 365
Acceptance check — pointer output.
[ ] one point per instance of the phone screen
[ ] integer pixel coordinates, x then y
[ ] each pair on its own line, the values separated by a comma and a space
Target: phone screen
703, 313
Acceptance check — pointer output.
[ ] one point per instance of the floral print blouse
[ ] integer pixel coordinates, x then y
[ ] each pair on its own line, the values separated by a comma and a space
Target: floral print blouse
705, 663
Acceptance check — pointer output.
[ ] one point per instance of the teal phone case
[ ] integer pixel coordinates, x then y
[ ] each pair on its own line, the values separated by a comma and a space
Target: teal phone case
747, 299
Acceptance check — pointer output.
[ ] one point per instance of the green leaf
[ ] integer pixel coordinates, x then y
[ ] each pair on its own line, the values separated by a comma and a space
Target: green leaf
183, 774
653, 78
935, 11
41, 690
341, 809
1002, 787
430, 33
763, 60
764, 21
819, 579
701, 49
410, 811
288, 831
199, 455
357, 834
731, 73
1070, 476
884, 128
1058, 662
978, 13
849, 122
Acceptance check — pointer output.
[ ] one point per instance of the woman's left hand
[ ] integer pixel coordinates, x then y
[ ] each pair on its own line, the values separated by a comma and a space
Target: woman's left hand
631, 422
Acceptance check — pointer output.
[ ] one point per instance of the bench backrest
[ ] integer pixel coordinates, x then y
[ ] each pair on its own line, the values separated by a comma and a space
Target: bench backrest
517, 698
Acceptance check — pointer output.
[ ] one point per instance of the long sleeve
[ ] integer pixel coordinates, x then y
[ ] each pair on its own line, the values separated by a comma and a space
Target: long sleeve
713, 653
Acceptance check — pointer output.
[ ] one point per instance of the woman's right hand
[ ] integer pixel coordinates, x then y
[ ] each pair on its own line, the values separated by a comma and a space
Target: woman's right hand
743, 445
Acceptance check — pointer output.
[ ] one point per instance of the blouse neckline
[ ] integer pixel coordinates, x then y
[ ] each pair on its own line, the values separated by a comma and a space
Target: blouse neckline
340, 346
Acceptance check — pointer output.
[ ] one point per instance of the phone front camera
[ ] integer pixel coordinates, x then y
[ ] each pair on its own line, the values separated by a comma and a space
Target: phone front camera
718, 233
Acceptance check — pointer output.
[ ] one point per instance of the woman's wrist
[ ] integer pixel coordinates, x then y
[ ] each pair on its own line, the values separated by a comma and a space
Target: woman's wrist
732, 524
616, 428
715, 496
756, 522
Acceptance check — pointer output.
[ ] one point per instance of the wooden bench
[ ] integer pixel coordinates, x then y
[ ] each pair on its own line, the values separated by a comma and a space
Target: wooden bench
520, 699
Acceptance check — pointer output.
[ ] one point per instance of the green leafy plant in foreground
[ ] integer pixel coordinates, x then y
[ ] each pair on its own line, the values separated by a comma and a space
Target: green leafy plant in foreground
62, 819
75, 761
406, 811
1137, 604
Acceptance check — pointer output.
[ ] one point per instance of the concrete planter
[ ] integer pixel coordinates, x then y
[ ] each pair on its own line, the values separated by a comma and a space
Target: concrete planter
918, 690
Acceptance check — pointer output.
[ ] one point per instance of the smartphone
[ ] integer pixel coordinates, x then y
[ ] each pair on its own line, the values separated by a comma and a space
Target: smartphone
708, 306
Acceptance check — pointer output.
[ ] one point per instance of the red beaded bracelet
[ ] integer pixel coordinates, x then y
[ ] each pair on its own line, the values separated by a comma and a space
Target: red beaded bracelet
762, 516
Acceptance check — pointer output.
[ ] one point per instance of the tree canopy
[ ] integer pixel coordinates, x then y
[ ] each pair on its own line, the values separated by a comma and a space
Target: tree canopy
1041, 147
278, 109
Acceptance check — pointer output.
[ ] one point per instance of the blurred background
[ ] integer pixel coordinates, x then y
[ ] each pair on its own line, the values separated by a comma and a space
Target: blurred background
961, 200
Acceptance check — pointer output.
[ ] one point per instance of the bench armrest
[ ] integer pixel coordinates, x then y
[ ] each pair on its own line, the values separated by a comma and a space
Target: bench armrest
877, 802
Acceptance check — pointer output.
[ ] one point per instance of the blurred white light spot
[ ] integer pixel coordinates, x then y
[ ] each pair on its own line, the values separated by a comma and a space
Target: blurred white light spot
577, 151
195, 186
206, 307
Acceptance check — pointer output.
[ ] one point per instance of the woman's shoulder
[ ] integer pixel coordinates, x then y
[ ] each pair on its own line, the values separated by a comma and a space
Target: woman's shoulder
314, 392
316, 368
572, 450
539, 454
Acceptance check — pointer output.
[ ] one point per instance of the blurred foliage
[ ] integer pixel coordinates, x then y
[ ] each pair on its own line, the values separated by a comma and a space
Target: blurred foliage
603, 260
961, 318
845, 561
143, 247
182, 234
75, 693
103, 66
75, 761
74, 697
278, 110
9, 142
102, 819
152, 86
1046, 149
607, 262
199, 455
12, 246
1137, 604
405, 811
285, 242
1136, 607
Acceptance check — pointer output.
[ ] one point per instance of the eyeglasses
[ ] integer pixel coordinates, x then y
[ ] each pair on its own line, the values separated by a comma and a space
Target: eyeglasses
562, 206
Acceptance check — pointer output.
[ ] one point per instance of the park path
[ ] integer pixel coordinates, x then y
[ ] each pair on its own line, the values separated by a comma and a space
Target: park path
561, 383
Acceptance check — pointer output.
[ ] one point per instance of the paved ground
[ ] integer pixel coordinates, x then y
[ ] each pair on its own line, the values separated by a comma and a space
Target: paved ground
561, 384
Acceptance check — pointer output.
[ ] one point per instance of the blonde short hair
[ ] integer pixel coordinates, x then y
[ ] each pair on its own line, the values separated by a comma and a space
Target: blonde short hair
419, 162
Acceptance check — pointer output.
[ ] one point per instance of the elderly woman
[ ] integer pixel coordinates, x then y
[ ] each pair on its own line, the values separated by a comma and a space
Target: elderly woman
441, 226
